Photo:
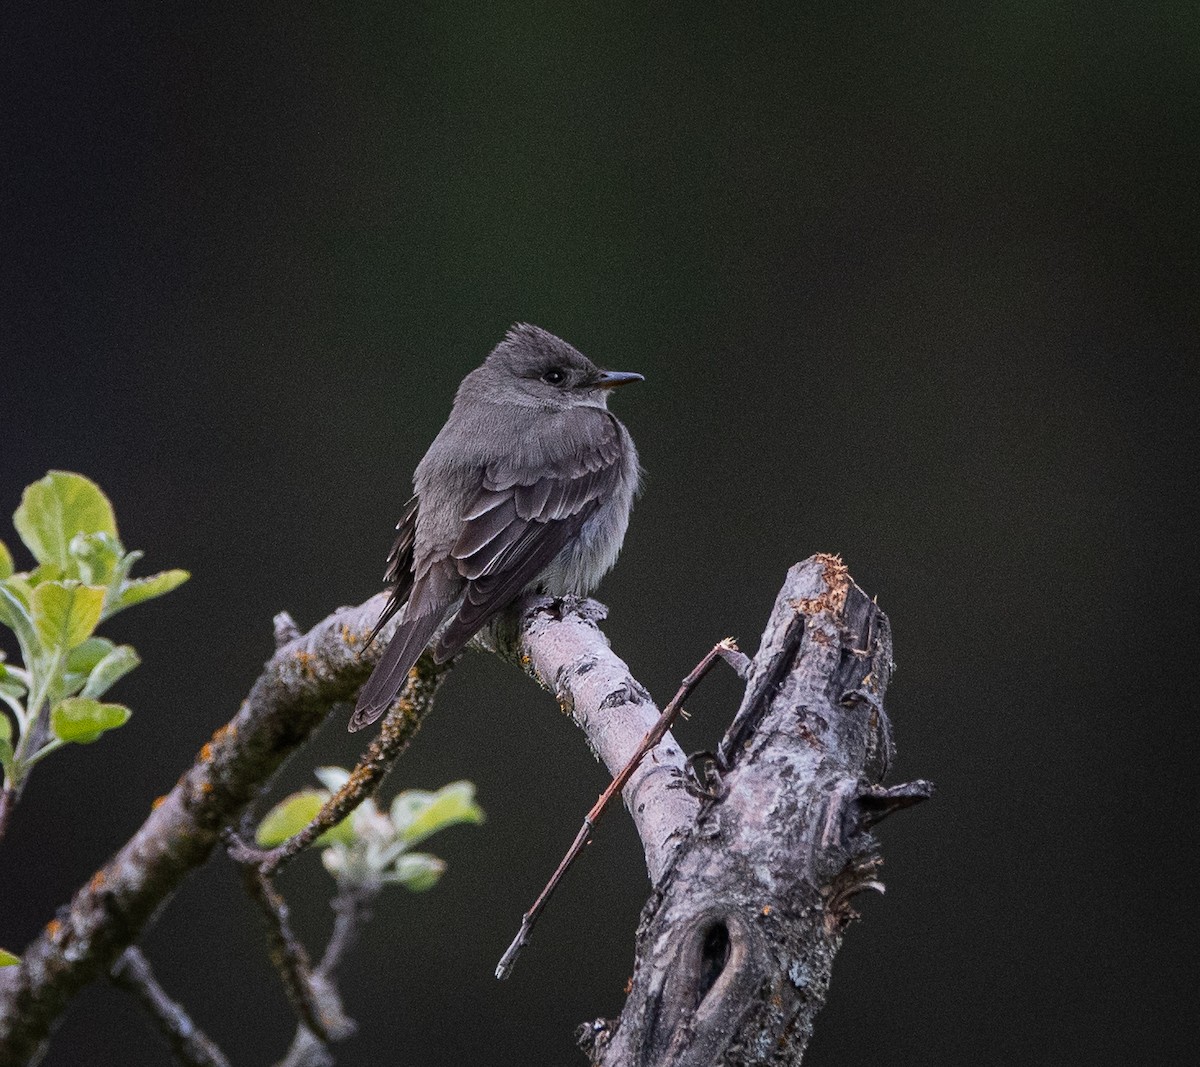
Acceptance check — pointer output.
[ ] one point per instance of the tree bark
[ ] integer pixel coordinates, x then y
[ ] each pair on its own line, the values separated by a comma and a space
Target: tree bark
751, 884
736, 944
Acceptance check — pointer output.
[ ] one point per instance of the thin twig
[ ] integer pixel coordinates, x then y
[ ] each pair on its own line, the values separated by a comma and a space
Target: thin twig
190, 1046
727, 650
352, 906
397, 731
287, 953
8, 801
289, 699
352, 910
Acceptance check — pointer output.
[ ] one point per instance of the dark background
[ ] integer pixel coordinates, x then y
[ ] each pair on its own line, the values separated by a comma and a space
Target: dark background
908, 282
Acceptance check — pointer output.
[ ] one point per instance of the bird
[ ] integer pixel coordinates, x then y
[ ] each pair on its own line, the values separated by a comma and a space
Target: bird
528, 485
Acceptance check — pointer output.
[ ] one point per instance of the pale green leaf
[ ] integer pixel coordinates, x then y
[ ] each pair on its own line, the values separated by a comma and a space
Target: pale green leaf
10, 683
57, 508
66, 613
417, 815
417, 871
6, 750
5, 728
49, 572
408, 806
293, 814
85, 656
7, 959
15, 612
139, 589
6, 561
332, 778
82, 720
97, 556
118, 663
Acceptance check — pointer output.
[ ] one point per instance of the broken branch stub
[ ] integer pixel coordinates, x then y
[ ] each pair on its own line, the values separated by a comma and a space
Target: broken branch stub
735, 946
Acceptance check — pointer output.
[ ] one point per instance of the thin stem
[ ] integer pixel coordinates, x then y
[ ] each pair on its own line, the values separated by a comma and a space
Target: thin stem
397, 731
50, 746
18, 710
726, 649
352, 908
190, 1046
9, 796
287, 953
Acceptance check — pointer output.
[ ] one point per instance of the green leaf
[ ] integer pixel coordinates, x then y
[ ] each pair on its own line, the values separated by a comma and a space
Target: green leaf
15, 612
49, 572
118, 663
82, 720
293, 814
10, 684
418, 815
6, 561
57, 508
84, 657
6, 751
416, 871
66, 613
7, 959
97, 556
139, 589
5, 728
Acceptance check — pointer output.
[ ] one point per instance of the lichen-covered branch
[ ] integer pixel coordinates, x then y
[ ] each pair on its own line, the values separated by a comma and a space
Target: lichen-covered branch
736, 944
752, 872
296, 689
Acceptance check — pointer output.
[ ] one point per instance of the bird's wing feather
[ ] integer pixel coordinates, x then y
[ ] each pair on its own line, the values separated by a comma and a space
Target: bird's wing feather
388, 678
520, 520
399, 573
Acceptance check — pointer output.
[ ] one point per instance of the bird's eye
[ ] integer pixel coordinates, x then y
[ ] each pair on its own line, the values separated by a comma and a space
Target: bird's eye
554, 376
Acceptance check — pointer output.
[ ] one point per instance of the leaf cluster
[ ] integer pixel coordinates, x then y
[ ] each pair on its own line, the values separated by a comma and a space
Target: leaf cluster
82, 576
371, 846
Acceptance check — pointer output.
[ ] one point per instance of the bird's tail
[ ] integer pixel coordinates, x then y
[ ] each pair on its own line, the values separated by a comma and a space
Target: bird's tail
405, 648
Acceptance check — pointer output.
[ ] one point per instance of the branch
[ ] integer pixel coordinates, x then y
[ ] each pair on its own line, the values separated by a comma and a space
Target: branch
323, 1016
559, 644
352, 906
726, 649
190, 1046
297, 687
395, 734
736, 944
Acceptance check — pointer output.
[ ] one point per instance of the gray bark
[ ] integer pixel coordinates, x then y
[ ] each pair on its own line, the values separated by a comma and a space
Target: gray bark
735, 947
751, 886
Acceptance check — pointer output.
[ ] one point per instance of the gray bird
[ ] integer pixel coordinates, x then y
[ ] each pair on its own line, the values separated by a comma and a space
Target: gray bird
529, 484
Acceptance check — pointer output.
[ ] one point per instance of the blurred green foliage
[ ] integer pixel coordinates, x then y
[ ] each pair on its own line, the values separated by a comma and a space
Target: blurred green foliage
370, 846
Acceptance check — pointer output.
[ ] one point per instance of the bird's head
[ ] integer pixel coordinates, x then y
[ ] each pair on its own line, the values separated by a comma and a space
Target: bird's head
536, 369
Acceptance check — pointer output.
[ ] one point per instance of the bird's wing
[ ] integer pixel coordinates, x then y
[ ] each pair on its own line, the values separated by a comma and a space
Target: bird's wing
399, 573
519, 521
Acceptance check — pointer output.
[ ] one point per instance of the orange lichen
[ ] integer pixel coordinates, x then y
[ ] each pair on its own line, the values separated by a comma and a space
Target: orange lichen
629, 985
206, 788
305, 662
206, 751
97, 881
220, 732
766, 909
836, 576
158, 802
53, 928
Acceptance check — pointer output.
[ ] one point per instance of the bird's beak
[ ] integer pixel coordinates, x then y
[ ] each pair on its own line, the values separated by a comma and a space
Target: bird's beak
610, 379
